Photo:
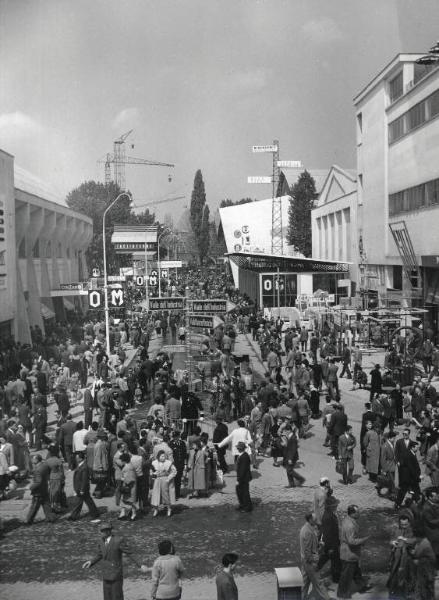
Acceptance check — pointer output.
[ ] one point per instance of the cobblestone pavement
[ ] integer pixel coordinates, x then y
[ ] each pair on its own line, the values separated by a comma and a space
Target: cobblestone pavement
270, 494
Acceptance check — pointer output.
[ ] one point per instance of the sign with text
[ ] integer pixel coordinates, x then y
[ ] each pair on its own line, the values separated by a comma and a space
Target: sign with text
71, 286
116, 278
259, 179
167, 303
201, 321
129, 247
171, 264
268, 148
211, 307
290, 164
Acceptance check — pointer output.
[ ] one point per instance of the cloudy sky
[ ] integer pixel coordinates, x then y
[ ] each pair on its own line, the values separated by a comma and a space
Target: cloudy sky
199, 81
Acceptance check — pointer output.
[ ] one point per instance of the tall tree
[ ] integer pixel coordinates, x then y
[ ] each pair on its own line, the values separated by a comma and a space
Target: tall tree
303, 196
198, 213
92, 198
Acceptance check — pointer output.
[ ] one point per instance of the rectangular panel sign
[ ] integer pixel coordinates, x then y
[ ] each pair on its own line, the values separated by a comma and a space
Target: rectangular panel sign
166, 303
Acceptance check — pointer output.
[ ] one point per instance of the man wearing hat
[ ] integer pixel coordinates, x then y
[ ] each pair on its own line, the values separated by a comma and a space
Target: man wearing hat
110, 552
243, 478
387, 459
81, 486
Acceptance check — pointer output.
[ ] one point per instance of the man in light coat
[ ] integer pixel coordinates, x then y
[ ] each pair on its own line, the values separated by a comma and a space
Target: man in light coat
351, 578
309, 555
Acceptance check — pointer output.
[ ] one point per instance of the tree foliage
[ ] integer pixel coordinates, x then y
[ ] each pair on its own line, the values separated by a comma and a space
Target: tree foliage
91, 198
228, 202
303, 196
199, 216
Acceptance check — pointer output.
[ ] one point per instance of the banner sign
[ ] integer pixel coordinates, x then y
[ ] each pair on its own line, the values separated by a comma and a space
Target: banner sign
268, 148
209, 306
259, 179
129, 247
171, 264
167, 303
201, 321
71, 286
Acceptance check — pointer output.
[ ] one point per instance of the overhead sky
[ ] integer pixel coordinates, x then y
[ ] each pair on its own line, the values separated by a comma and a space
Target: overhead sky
199, 81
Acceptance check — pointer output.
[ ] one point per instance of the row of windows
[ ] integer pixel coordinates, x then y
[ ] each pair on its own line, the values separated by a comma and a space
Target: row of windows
420, 113
414, 198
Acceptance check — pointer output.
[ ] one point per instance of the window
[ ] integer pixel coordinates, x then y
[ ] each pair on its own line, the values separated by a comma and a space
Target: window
397, 277
414, 198
395, 87
416, 116
421, 71
49, 249
433, 104
396, 129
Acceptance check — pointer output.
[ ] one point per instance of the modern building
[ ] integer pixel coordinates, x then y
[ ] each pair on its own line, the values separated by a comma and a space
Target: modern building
272, 280
398, 182
333, 222
42, 253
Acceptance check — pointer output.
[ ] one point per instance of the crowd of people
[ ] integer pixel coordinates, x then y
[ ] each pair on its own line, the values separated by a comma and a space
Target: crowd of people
148, 461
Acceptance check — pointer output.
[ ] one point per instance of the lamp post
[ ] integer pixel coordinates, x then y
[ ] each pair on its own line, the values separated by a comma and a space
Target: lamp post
166, 230
104, 244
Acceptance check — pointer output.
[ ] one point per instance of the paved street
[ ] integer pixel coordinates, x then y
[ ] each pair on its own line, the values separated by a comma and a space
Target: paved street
51, 555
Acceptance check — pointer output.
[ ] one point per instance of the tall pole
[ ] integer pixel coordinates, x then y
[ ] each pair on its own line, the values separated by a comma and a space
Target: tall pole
146, 275
104, 245
166, 230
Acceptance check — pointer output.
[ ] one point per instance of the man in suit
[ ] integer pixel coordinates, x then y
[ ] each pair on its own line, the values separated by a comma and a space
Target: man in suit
243, 478
309, 555
387, 459
219, 434
39, 489
225, 583
337, 426
110, 552
67, 430
81, 487
409, 474
291, 456
346, 445
88, 406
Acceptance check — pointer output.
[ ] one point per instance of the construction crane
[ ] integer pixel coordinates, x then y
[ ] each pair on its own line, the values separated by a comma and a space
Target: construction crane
119, 159
152, 203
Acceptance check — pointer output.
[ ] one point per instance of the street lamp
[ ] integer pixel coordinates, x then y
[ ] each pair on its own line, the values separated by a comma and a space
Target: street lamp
104, 244
166, 230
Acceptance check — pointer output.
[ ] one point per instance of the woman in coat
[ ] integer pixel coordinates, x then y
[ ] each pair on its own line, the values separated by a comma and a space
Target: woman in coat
100, 464
163, 491
197, 469
372, 446
128, 487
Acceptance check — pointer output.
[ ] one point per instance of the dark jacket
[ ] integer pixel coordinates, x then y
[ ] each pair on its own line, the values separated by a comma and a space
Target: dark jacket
226, 587
220, 432
81, 482
330, 530
376, 381
66, 433
111, 556
291, 451
40, 483
243, 471
338, 422
409, 471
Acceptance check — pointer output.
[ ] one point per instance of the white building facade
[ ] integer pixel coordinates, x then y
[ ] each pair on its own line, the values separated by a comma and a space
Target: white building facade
398, 179
42, 252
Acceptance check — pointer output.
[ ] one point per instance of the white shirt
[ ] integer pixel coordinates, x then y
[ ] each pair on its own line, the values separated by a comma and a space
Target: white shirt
240, 434
78, 440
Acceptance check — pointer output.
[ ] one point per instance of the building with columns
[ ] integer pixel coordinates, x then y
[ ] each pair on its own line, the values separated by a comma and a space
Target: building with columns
333, 223
42, 253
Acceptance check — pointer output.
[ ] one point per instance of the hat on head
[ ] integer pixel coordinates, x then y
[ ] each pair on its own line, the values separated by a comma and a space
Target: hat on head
105, 526
241, 446
324, 480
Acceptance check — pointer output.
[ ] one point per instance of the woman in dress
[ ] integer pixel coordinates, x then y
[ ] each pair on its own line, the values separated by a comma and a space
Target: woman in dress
163, 491
197, 469
276, 443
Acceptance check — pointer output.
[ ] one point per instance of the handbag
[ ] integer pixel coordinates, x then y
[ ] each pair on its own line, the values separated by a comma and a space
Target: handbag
98, 476
340, 465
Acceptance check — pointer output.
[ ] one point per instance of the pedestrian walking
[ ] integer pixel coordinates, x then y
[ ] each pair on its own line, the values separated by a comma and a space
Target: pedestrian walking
226, 588
81, 487
351, 578
291, 456
167, 572
110, 551
39, 490
346, 445
309, 556
243, 478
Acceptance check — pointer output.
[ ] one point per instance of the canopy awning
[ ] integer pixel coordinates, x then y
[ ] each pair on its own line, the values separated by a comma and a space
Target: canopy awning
46, 312
292, 264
